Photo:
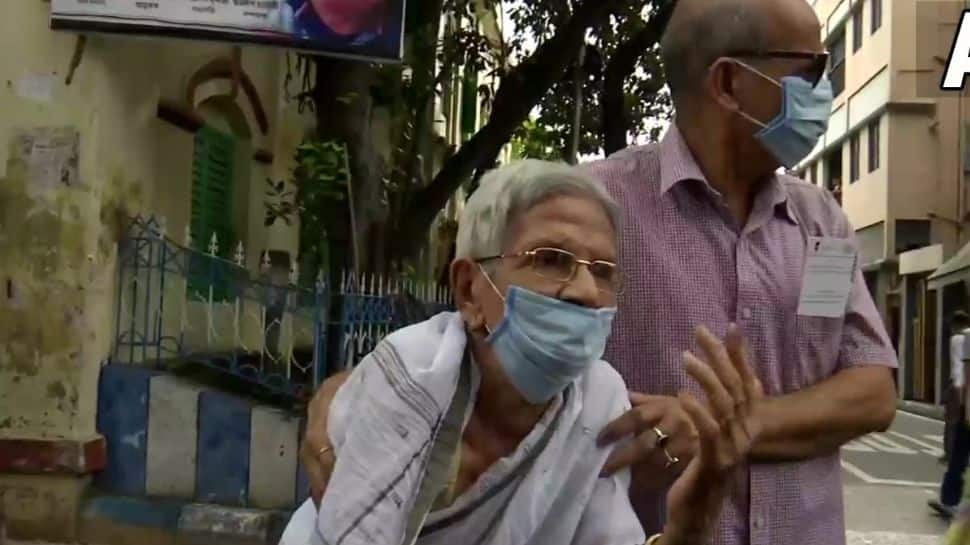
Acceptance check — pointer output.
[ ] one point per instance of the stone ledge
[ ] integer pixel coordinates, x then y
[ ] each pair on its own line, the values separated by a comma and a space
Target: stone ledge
52, 456
214, 525
150, 521
921, 409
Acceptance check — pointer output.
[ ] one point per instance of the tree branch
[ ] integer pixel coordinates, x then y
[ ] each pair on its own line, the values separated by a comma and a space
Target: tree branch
616, 119
521, 89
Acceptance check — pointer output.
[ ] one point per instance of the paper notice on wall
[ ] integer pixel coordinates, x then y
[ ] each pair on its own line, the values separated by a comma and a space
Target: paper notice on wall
50, 156
38, 88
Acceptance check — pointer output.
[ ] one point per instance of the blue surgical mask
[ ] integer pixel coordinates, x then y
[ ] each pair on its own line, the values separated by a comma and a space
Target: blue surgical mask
544, 344
803, 119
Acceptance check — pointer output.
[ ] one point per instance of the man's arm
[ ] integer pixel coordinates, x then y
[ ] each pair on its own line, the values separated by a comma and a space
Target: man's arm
817, 421
860, 398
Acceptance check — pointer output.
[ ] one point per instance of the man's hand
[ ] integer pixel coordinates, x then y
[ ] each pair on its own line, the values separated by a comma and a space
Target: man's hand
694, 502
650, 415
316, 451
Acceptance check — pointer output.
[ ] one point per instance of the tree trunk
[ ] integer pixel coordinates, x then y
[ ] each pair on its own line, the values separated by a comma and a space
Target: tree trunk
616, 119
344, 113
573, 155
519, 92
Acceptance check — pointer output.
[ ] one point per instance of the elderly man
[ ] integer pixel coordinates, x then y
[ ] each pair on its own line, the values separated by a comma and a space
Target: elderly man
481, 426
715, 236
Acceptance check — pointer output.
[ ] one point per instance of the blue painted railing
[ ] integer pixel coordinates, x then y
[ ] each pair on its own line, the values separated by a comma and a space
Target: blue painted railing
180, 305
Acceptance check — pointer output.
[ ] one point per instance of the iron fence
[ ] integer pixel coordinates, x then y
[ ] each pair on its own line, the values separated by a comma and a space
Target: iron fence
179, 305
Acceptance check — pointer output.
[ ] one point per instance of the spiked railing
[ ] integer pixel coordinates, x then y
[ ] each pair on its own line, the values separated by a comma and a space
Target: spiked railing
177, 304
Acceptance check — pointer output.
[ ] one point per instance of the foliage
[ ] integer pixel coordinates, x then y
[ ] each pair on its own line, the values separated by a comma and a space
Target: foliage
536, 141
278, 205
322, 177
645, 98
526, 69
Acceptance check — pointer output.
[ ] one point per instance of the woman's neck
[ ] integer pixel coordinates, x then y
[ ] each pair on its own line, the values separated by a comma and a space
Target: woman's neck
499, 407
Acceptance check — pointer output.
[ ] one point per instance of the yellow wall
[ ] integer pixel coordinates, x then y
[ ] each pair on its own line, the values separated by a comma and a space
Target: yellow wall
865, 201
58, 245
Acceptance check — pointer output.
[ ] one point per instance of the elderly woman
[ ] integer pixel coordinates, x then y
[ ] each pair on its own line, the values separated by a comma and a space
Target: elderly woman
480, 426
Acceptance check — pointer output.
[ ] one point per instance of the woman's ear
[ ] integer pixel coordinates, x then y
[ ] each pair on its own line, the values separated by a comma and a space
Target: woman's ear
463, 275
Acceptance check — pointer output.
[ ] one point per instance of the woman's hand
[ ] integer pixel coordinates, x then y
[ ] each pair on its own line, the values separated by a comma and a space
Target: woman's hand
726, 428
316, 451
649, 417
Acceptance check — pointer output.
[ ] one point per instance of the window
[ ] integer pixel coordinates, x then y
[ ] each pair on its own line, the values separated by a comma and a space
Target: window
833, 168
813, 173
874, 145
212, 203
854, 158
876, 12
837, 60
857, 29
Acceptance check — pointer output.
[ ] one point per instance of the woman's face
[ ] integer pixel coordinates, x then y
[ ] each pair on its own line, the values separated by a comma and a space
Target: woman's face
349, 17
577, 225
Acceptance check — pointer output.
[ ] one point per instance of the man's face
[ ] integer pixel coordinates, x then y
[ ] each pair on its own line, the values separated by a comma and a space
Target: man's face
349, 17
576, 225
794, 30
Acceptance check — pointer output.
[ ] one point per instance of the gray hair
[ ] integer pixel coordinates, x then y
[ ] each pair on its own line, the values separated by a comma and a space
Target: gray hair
702, 33
509, 191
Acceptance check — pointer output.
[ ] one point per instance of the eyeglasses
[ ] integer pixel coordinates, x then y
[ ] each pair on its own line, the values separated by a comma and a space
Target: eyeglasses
813, 73
561, 266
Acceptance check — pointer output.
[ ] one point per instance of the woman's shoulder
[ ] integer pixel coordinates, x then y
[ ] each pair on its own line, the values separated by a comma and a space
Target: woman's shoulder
421, 341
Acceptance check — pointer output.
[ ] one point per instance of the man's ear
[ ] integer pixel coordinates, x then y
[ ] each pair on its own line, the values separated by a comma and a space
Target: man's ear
463, 275
721, 83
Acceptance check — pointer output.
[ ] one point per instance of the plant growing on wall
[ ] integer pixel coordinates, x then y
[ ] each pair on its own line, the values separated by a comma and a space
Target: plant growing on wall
279, 203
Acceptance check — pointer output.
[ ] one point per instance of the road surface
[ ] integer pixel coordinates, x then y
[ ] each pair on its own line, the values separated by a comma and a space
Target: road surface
888, 477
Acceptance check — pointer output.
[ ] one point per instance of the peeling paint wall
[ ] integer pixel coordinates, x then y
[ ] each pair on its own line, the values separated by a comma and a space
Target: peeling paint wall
58, 241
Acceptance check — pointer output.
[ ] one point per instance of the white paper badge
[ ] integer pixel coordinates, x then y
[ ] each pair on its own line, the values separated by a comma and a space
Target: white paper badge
827, 278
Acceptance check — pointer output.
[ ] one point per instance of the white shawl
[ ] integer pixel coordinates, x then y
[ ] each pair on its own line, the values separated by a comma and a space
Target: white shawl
387, 417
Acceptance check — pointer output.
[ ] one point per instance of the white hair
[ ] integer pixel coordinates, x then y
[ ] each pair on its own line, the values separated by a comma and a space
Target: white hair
512, 190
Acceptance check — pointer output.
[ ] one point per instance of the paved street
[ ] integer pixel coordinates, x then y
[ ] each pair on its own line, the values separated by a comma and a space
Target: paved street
888, 479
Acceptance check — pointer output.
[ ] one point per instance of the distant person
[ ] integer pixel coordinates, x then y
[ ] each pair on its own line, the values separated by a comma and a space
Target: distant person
713, 235
959, 323
951, 489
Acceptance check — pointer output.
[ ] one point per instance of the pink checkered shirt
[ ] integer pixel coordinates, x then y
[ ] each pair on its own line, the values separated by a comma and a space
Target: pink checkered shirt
688, 263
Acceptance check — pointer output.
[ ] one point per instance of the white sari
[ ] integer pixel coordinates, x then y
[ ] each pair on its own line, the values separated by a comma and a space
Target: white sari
396, 424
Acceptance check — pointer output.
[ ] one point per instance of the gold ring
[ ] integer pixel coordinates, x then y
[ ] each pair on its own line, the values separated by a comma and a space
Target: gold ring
671, 460
661, 437
323, 450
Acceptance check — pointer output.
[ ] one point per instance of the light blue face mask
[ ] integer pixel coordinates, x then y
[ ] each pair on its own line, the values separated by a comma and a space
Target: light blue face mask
544, 344
803, 119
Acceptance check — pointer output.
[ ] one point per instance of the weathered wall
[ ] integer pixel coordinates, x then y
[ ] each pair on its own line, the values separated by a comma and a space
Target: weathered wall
58, 241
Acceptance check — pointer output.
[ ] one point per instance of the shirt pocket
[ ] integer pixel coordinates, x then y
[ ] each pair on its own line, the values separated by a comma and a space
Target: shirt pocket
815, 350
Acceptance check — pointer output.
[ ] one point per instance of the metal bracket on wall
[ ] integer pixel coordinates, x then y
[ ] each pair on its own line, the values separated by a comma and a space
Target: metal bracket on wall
79, 47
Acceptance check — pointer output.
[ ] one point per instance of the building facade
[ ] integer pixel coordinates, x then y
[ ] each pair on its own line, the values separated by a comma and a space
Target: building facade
135, 262
894, 156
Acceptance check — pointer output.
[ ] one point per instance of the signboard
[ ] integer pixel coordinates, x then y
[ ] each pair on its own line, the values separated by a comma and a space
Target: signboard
369, 29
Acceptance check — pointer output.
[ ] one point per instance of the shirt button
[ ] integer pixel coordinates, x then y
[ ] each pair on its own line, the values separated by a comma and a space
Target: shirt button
746, 313
759, 522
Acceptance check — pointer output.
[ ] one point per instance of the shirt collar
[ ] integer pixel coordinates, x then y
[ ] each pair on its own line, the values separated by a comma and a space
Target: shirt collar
677, 164
677, 161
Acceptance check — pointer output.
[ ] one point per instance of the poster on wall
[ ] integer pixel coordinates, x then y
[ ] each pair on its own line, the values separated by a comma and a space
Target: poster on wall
368, 29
